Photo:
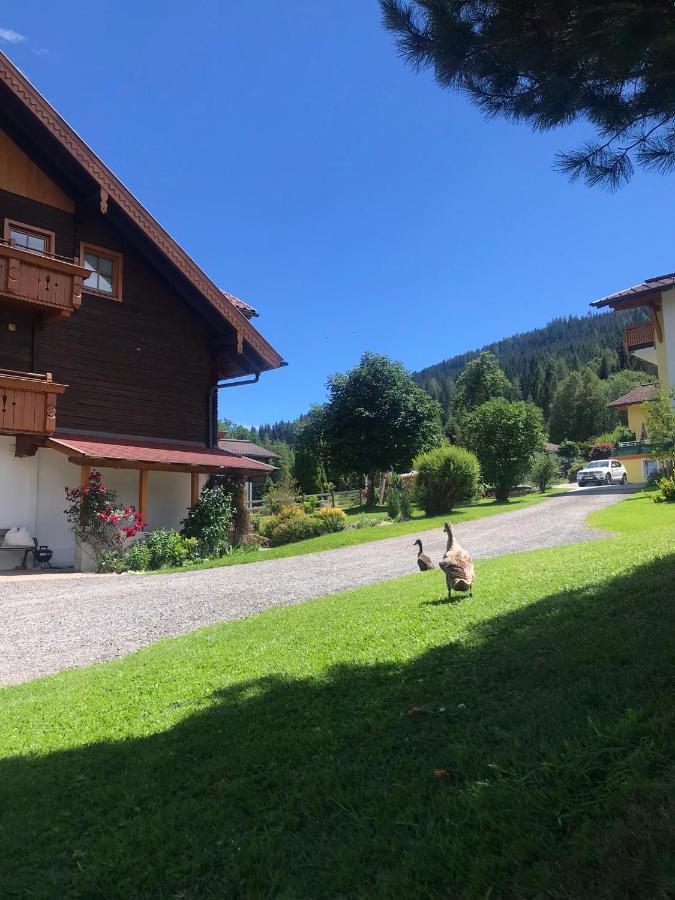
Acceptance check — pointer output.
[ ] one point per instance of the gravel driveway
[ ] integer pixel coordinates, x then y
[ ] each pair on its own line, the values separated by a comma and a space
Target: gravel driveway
53, 623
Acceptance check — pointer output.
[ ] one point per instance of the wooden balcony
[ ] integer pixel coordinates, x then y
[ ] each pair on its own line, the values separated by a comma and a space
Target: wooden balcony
638, 337
28, 402
48, 283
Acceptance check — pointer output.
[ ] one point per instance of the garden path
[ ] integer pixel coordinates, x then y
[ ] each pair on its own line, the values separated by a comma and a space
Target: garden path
49, 624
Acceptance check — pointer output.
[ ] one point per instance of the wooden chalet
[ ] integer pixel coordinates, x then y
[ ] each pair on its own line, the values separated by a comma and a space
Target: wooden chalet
113, 342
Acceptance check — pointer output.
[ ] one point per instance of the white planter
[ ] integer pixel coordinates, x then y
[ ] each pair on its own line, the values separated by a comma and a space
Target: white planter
13, 560
86, 559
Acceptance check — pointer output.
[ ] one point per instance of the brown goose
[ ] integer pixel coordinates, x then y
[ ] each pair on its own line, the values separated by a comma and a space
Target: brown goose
457, 565
423, 560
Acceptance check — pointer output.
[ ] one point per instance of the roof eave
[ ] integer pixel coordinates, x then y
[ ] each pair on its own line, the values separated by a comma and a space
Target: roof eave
633, 297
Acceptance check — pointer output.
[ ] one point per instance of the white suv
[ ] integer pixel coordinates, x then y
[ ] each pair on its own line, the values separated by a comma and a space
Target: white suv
602, 471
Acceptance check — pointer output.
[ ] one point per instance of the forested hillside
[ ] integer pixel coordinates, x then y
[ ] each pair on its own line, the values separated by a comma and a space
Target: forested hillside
537, 361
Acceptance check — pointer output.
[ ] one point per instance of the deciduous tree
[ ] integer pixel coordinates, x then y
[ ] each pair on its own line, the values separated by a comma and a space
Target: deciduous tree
311, 453
481, 379
504, 436
377, 419
660, 422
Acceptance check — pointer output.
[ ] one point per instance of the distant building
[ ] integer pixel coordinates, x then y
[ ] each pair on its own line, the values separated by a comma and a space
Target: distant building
635, 454
247, 450
652, 341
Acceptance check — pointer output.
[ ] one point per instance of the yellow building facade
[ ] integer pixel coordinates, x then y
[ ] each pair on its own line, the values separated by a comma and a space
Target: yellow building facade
652, 341
635, 454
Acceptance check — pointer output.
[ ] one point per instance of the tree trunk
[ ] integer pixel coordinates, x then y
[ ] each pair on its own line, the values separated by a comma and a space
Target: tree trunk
502, 493
370, 498
383, 487
241, 524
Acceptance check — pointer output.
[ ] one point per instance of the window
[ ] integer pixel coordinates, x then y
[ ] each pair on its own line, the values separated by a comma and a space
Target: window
105, 271
29, 238
615, 465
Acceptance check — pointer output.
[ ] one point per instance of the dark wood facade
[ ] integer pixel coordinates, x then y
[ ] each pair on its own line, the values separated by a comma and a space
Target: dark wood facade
143, 364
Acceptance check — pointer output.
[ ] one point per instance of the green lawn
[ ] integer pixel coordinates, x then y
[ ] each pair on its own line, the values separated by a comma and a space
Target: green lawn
380, 743
636, 513
350, 536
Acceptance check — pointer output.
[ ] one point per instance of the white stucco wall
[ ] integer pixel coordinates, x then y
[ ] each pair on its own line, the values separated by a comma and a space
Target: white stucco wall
17, 495
55, 473
32, 494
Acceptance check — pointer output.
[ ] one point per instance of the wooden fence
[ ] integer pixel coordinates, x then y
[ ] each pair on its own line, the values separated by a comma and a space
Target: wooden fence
340, 499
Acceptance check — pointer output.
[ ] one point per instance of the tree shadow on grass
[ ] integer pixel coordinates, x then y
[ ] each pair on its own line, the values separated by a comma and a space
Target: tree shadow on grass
531, 760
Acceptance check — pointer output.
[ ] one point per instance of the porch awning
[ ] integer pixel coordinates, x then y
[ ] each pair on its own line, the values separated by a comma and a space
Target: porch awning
117, 453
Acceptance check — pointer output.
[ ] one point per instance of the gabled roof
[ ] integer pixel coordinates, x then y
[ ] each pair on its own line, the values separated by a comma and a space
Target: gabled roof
637, 395
246, 448
650, 289
112, 190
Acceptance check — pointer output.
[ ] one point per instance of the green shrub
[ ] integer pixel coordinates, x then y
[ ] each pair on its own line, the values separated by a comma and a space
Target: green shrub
666, 490
293, 525
309, 504
393, 505
367, 521
261, 524
395, 482
483, 490
332, 518
574, 468
110, 561
209, 521
405, 501
281, 493
168, 548
620, 433
445, 476
138, 557
544, 471
266, 524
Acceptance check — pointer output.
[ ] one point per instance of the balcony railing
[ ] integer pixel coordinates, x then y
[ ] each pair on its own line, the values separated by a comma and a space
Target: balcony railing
49, 283
637, 337
28, 402
631, 448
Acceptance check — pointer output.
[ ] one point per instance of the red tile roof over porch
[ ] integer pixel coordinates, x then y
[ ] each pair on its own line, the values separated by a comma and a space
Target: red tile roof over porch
149, 454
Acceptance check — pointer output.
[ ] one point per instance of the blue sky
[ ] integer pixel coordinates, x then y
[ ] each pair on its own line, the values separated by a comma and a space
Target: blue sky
311, 173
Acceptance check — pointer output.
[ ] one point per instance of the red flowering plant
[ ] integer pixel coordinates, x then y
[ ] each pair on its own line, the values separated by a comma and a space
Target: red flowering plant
97, 517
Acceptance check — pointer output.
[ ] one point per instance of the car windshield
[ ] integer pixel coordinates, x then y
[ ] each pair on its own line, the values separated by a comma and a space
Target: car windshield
600, 464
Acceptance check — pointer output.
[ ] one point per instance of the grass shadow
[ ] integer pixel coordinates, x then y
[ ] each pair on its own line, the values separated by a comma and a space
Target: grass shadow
446, 601
531, 759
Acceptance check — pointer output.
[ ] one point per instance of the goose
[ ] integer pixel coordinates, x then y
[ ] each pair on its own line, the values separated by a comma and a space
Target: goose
457, 565
423, 561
